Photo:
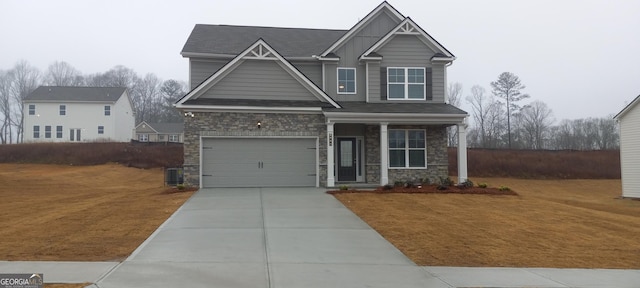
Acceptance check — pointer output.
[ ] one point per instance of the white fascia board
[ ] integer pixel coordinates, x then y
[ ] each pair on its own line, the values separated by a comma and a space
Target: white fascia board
396, 31
443, 59
395, 118
361, 24
627, 108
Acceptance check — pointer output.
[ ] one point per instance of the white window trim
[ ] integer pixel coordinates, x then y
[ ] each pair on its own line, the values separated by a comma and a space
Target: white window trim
406, 83
62, 110
407, 149
99, 130
36, 131
143, 137
32, 112
173, 138
355, 80
107, 110
59, 132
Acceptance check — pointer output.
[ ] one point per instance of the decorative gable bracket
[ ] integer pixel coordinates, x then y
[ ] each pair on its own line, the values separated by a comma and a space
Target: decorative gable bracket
260, 53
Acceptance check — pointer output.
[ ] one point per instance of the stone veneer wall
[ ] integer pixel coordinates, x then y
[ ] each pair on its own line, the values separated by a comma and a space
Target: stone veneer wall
245, 125
437, 157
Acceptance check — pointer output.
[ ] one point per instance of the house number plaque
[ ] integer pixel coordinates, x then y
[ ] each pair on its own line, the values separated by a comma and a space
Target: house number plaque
330, 139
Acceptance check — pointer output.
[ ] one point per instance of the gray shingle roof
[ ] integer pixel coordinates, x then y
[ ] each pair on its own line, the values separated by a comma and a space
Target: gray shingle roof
386, 107
231, 40
167, 128
63, 93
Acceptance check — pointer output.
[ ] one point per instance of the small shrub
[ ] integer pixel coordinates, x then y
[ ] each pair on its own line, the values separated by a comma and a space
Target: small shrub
442, 187
410, 184
504, 188
344, 187
446, 182
398, 183
483, 185
181, 187
466, 184
426, 181
387, 187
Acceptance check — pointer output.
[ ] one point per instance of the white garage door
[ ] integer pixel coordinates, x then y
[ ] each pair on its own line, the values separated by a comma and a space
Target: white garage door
258, 162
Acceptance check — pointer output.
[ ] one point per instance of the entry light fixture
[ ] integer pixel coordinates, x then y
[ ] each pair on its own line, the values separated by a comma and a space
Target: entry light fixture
259, 124
189, 114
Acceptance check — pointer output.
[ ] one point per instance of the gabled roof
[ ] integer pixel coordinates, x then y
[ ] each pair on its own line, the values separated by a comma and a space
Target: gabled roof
409, 27
163, 128
76, 94
384, 6
216, 40
627, 108
262, 51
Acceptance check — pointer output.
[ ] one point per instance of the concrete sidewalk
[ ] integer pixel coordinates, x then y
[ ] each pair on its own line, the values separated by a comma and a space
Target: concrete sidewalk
282, 238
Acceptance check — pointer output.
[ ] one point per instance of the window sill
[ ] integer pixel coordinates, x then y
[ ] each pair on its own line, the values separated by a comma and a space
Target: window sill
407, 168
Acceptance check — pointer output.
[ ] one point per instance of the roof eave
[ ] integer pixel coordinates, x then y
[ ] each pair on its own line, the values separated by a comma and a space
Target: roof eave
627, 108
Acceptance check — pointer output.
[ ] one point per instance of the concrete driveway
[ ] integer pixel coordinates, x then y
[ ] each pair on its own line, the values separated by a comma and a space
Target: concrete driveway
267, 237
303, 237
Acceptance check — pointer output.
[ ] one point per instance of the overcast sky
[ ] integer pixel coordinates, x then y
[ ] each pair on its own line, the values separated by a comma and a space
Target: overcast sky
581, 57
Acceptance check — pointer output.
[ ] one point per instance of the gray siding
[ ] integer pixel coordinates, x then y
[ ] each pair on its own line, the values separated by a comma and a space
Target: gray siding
259, 79
409, 51
630, 152
374, 81
201, 69
313, 71
351, 51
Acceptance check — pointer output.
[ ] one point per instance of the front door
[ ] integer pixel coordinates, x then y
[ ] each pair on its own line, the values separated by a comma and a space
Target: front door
347, 159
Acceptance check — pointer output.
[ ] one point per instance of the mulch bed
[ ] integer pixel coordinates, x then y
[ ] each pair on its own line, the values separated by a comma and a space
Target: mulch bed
430, 189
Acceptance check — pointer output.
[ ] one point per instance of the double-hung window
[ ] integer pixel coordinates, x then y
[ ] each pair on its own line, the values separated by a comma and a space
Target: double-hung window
407, 148
63, 110
107, 110
47, 131
36, 131
406, 83
346, 80
32, 109
100, 129
173, 138
58, 131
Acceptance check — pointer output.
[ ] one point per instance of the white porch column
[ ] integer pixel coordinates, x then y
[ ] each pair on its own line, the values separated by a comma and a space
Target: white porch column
331, 178
462, 152
384, 154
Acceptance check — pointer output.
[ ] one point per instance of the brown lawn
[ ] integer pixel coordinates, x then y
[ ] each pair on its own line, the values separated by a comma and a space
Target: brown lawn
80, 213
552, 223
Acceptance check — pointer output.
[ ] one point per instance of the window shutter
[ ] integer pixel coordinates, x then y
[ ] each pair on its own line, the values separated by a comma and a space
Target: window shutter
383, 83
429, 86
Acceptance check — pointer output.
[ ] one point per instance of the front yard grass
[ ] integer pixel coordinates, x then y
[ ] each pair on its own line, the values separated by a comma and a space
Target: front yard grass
552, 223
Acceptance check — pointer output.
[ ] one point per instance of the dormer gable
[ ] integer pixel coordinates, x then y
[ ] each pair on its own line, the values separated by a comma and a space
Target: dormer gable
384, 7
409, 27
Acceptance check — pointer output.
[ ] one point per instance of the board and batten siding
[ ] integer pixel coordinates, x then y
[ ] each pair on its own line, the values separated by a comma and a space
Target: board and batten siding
259, 79
630, 152
313, 71
201, 69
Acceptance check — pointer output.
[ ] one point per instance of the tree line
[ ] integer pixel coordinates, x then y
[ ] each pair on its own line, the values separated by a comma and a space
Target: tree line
152, 98
500, 121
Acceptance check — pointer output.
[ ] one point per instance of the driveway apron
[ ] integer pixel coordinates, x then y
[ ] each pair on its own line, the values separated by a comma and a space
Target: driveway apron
266, 237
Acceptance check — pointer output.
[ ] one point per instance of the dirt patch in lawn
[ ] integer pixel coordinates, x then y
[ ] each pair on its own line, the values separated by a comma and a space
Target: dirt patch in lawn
552, 223
80, 213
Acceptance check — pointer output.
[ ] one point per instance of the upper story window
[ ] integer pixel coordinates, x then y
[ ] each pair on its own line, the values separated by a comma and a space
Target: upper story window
406, 83
63, 110
407, 148
346, 80
32, 109
107, 110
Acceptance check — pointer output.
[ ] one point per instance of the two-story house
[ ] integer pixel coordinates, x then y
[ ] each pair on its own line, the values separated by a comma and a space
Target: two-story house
313, 107
78, 114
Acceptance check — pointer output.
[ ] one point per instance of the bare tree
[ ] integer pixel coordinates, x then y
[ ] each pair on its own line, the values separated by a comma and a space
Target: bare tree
26, 78
535, 120
508, 87
6, 133
454, 97
171, 91
146, 98
60, 73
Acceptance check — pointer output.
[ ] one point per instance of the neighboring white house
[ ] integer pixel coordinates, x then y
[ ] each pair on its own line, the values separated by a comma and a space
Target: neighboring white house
78, 114
159, 132
629, 119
